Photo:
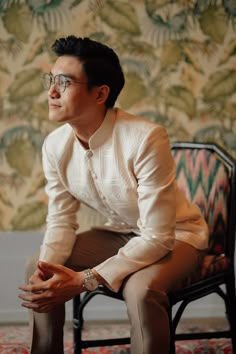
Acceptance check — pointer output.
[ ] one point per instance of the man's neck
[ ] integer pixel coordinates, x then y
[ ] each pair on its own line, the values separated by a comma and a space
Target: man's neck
85, 132
84, 143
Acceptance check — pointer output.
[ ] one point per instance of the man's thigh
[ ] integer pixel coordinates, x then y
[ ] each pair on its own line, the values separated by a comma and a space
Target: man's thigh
94, 247
165, 274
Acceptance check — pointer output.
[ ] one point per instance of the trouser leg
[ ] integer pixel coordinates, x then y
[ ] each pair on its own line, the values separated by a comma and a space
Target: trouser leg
46, 328
146, 296
91, 248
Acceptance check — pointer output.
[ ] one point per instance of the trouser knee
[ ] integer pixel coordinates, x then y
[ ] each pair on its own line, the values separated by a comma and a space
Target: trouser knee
31, 265
146, 300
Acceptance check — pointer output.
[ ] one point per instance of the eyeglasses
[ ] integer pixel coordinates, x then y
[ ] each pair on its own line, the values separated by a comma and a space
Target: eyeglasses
60, 82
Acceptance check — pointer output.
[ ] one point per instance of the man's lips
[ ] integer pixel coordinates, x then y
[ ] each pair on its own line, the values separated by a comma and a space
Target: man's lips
54, 105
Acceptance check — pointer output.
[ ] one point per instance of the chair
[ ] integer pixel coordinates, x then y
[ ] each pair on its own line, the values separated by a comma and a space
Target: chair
207, 175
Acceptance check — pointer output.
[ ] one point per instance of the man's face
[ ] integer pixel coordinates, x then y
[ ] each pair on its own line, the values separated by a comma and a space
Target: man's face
76, 103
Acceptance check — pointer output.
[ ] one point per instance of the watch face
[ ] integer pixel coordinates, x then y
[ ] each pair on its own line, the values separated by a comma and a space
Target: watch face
91, 284
90, 281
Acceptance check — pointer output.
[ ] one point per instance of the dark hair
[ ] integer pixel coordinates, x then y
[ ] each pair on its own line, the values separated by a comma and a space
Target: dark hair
101, 64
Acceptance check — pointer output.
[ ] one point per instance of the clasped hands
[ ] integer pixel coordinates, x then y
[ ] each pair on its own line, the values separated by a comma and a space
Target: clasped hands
50, 286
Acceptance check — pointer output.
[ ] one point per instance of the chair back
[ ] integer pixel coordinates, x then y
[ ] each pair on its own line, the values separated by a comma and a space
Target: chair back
206, 174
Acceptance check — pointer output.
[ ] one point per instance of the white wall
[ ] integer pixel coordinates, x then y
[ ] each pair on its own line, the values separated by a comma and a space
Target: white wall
15, 247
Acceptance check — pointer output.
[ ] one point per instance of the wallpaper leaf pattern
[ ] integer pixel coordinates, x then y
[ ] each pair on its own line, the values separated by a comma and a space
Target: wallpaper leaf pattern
17, 20
179, 60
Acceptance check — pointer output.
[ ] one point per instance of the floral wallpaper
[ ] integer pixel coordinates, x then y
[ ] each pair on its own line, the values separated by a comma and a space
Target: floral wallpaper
178, 56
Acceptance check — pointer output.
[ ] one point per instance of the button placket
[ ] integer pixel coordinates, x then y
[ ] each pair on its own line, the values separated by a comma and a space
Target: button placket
96, 185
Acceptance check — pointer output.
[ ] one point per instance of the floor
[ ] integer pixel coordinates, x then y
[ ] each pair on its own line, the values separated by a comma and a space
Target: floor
15, 338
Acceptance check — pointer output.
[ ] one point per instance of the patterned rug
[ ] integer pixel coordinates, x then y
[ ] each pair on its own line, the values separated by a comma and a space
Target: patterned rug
15, 339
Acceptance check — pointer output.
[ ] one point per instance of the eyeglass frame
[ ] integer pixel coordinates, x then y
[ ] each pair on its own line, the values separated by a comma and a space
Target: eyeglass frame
57, 85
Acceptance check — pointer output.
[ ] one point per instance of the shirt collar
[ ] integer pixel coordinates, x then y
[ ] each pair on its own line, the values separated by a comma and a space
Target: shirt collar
104, 132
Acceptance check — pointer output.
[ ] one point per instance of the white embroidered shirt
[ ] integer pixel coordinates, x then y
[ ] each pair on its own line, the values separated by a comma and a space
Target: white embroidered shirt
128, 175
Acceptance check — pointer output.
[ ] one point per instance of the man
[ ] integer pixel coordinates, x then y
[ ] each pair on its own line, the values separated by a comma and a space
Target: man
120, 165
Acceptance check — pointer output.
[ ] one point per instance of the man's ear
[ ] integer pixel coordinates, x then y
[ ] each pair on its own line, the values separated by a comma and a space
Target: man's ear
102, 94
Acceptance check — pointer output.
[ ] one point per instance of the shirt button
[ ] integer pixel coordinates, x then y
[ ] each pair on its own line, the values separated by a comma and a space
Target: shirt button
89, 154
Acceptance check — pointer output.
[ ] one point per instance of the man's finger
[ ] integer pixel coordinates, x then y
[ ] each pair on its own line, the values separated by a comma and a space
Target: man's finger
30, 305
45, 269
36, 295
48, 268
34, 287
39, 307
45, 308
32, 297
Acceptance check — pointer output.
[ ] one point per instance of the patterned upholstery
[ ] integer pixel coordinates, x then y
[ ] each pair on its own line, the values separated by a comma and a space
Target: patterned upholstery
212, 264
204, 179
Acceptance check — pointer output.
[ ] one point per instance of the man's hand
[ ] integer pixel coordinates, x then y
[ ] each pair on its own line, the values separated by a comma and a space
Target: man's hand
51, 285
39, 275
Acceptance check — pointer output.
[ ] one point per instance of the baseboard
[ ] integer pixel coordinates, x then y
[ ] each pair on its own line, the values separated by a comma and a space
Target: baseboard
102, 311
112, 312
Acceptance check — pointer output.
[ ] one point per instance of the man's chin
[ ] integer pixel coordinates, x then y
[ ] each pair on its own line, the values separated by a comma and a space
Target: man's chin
53, 117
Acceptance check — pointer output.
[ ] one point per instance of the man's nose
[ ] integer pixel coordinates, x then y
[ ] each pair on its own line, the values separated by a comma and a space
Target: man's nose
52, 92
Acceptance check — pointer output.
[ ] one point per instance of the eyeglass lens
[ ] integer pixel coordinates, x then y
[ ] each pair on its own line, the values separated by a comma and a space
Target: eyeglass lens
59, 81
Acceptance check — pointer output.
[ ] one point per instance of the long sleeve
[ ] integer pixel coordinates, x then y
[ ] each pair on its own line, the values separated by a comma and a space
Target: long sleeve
155, 173
61, 219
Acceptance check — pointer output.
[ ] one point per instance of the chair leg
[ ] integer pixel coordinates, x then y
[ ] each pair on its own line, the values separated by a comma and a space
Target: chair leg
231, 310
77, 339
172, 345
172, 333
77, 326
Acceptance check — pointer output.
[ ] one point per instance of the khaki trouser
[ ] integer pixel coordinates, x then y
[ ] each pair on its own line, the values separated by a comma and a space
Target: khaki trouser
145, 293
